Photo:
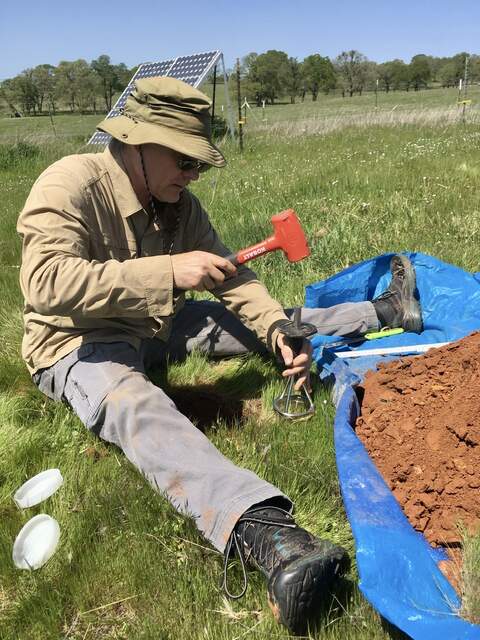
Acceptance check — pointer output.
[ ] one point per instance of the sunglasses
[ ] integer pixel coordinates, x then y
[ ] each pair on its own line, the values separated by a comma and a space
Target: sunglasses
184, 163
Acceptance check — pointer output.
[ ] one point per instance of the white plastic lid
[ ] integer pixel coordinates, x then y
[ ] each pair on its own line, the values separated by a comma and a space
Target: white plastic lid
38, 488
36, 542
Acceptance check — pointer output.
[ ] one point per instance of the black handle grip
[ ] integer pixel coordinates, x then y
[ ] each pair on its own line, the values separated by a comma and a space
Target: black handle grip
233, 258
295, 331
295, 345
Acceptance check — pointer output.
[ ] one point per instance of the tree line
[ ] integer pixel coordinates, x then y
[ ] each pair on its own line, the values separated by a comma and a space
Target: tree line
271, 75
76, 86
80, 86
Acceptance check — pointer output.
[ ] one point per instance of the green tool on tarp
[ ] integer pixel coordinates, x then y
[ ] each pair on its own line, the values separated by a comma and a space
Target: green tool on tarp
373, 335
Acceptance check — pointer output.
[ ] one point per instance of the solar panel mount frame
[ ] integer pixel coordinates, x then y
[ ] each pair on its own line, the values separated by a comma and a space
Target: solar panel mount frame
173, 68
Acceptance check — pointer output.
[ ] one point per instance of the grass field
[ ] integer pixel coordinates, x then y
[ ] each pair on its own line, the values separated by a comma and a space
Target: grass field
396, 107
128, 567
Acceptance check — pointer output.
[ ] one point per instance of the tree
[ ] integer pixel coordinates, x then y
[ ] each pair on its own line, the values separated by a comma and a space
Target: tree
77, 84
432, 65
369, 76
474, 68
66, 87
447, 74
88, 86
319, 74
9, 96
393, 75
435, 66
43, 78
290, 77
25, 92
419, 71
112, 77
124, 75
453, 69
266, 73
352, 69
247, 64
387, 72
250, 86
459, 61
401, 75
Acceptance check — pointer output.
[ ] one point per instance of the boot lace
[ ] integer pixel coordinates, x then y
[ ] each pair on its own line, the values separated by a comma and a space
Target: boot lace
261, 543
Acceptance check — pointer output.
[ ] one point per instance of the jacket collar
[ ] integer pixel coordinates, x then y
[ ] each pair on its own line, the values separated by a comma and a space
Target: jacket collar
126, 197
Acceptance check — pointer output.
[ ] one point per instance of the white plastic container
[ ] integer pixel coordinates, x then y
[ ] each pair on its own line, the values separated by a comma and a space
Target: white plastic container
36, 542
38, 488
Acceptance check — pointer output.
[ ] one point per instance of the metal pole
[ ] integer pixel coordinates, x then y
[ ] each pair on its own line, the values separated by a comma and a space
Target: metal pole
465, 87
465, 78
51, 120
231, 126
240, 122
376, 94
214, 90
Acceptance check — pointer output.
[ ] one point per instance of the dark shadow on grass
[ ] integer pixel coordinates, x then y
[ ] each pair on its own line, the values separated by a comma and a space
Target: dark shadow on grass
205, 406
337, 606
232, 399
394, 632
14, 377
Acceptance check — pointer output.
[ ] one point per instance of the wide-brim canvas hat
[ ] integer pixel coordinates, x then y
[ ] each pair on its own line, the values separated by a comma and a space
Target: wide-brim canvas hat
168, 112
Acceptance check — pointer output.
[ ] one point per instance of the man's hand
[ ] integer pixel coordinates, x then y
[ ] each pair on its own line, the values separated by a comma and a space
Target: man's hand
300, 364
200, 270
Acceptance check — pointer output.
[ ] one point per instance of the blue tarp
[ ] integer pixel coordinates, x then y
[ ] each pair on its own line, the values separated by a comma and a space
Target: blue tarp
397, 567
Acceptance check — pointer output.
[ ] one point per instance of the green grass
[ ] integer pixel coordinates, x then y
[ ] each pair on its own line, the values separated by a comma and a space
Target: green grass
470, 576
128, 566
394, 101
390, 106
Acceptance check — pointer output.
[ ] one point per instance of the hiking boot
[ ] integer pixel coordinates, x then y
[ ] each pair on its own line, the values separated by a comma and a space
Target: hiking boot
300, 569
397, 306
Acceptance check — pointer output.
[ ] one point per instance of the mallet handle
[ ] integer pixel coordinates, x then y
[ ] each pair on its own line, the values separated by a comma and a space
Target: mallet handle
254, 251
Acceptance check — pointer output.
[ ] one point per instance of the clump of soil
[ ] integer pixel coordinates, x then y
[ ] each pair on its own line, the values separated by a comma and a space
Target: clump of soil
420, 423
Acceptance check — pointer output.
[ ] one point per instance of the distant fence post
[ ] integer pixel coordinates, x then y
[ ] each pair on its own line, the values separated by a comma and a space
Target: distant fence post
52, 122
240, 121
465, 87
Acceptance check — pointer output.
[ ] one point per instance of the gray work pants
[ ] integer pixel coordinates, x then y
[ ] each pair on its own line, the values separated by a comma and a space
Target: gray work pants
107, 387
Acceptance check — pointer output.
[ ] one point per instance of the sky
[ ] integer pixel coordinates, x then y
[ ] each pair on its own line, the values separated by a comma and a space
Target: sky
36, 32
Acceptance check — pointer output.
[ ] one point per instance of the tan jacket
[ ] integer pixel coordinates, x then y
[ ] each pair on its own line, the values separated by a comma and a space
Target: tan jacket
81, 275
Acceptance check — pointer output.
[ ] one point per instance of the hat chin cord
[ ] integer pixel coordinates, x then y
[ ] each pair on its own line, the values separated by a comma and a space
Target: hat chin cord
170, 230
151, 202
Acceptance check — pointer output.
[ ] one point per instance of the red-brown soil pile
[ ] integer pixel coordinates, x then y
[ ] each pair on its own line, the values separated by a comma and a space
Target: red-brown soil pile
420, 423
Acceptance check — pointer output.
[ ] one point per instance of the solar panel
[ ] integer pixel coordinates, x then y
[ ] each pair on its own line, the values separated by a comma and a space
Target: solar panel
191, 69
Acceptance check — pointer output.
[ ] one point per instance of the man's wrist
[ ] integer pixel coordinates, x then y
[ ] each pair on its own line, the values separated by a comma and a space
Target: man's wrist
272, 334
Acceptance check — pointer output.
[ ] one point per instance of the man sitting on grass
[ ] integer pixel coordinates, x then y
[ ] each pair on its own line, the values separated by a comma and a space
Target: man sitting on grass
111, 243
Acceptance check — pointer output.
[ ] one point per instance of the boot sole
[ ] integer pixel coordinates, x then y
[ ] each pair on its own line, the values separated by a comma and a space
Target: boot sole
296, 592
412, 318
